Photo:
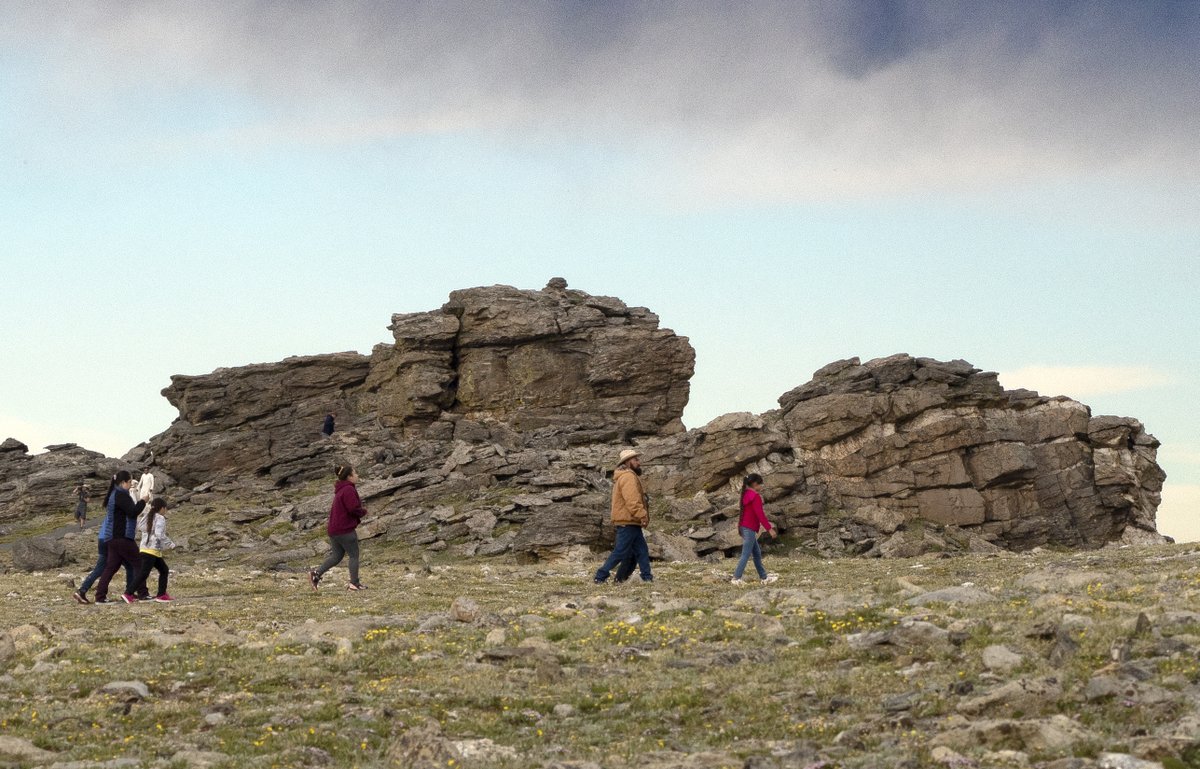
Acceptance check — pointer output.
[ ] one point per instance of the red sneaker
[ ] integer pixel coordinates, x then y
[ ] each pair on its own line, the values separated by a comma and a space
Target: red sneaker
164, 598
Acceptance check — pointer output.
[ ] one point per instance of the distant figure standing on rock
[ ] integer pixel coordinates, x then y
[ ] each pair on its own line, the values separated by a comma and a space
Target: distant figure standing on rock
327, 428
122, 549
630, 514
345, 513
81, 493
753, 518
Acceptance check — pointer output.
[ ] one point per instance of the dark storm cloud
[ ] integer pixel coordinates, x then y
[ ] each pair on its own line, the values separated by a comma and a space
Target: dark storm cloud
834, 94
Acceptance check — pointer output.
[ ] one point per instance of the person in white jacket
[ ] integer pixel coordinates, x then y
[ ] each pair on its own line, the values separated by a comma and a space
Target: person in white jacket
152, 526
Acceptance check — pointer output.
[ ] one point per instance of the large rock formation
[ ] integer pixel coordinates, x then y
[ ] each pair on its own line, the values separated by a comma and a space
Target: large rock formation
864, 451
41, 484
490, 426
560, 366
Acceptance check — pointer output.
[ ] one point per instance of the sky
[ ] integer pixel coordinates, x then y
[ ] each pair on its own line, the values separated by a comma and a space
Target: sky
189, 186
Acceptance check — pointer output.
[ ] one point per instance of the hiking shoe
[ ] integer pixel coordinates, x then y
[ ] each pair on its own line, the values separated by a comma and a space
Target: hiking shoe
314, 579
356, 586
129, 598
101, 600
737, 581
79, 597
164, 598
770, 578
598, 581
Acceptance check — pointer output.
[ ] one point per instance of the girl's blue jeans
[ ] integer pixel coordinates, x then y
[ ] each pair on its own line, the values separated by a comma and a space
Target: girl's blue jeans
750, 548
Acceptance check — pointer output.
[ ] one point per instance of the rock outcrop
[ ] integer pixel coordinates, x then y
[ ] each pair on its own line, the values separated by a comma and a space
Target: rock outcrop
902, 441
41, 484
490, 426
559, 366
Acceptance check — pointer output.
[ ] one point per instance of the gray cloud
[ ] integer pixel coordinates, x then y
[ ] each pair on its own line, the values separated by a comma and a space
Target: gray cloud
775, 100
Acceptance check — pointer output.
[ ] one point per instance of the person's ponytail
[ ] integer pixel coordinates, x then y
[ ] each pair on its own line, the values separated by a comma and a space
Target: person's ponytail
118, 478
747, 482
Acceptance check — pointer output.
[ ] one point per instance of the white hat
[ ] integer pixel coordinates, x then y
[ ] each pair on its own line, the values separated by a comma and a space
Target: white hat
626, 455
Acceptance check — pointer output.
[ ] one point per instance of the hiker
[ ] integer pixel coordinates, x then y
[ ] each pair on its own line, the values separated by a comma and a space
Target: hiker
122, 549
345, 513
153, 527
103, 535
81, 493
752, 519
630, 514
327, 427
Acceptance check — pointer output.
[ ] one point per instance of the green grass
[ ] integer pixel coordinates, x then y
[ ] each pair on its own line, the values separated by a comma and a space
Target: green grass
693, 664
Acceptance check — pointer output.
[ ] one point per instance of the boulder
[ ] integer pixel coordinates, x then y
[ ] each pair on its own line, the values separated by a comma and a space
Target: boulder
39, 554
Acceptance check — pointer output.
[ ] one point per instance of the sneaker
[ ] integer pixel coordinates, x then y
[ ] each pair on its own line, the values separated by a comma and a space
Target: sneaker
356, 586
737, 581
598, 581
101, 600
79, 597
770, 578
129, 598
143, 596
164, 598
314, 579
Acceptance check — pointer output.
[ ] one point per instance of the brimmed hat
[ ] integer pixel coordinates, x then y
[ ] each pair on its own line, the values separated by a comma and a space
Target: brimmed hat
626, 455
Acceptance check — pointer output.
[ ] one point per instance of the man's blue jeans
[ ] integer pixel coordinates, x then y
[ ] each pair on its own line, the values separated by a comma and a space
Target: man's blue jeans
631, 544
102, 546
750, 547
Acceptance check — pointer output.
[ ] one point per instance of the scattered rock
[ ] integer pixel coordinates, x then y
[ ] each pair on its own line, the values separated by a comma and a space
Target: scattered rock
423, 747
39, 554
23, 750
464, 609
199, 759
961, 595
134, 688
1123, 761
1000, 659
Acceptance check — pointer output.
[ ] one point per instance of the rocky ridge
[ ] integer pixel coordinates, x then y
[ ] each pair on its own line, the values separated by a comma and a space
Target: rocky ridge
490, 426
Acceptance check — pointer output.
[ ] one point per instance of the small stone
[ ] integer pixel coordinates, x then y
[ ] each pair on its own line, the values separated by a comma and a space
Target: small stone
563, 710
199, 759
135, 688
1000, 658
944, 755
464, 609
214, 719
496, 637
1124, 761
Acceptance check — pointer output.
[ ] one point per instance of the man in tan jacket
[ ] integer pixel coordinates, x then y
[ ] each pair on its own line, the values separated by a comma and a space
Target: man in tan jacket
630, 514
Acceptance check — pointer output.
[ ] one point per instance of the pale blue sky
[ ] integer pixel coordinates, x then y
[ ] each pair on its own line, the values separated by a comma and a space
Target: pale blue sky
190, 186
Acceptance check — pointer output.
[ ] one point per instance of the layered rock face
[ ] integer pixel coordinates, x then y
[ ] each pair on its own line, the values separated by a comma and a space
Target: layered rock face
40, 484
589, 368
491, 426
559, 366
902, 440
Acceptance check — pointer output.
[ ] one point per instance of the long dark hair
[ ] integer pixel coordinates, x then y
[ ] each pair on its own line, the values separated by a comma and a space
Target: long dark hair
158, 504
343, 471
119, 477
747, 482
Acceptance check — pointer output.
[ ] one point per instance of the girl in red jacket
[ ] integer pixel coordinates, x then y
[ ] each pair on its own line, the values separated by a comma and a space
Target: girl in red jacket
344, 515
753, 518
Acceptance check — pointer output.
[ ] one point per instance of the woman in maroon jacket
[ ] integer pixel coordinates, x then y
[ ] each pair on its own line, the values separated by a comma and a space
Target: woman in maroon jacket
344, 515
